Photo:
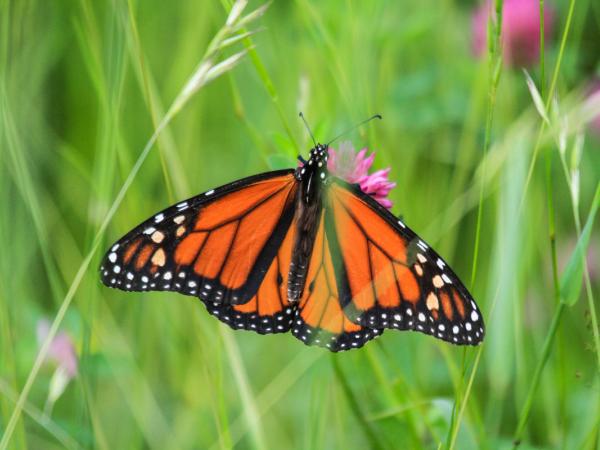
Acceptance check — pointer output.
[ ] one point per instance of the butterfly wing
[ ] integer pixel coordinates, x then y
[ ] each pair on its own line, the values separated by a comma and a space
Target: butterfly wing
218, 245
319, 318
390, 278
268, 311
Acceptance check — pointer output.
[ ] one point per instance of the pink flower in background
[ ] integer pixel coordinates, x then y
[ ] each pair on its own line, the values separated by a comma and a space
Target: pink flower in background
354, 167
520, 30
62, 351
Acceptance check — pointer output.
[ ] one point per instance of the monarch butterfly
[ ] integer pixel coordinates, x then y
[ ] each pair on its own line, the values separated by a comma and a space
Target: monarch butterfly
300, 250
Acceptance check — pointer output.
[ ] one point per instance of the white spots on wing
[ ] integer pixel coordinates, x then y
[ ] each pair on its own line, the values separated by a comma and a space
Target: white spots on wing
129, 276
401, 224
409, 311
144, 279
149, 230
157, 237
116, 269
446, 278
397, 317
421, 258
167, 276
474, 316
440, 263
112, 257
455, 329
179, 219
468, 326
322, 175
422, 317
211, 192
181, 275
437, 281
159, 218
441, 327
422, 245
114, 248
181, 206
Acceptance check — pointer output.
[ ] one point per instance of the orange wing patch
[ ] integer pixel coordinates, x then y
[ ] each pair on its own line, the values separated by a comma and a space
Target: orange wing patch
231, 206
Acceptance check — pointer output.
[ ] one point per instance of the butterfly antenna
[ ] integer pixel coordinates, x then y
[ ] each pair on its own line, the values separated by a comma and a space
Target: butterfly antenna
308, 128
376, 116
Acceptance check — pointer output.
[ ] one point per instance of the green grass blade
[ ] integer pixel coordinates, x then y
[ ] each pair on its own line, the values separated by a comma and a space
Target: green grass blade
571, 280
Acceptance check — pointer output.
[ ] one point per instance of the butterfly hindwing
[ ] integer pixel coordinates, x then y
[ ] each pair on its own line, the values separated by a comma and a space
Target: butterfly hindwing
268, 311
320, 319
218, 245
390, 278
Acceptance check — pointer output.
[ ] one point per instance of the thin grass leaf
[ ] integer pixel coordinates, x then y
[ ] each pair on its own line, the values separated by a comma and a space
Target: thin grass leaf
236, 11
237, 38
250, 17
571, 280
224, 66
537, 98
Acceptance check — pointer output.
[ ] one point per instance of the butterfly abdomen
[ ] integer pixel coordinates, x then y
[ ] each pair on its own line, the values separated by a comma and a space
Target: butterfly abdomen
308, 215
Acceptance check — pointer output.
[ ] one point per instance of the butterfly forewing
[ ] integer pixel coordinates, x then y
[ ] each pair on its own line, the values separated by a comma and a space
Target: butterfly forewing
218, 245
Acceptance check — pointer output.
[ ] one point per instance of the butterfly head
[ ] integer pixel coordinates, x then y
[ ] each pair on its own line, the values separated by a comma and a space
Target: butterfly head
313, 173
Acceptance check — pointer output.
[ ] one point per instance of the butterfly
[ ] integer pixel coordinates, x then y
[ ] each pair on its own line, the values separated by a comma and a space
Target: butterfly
297, 250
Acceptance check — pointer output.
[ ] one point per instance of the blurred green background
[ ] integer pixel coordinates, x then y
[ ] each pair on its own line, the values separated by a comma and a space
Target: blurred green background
502, 194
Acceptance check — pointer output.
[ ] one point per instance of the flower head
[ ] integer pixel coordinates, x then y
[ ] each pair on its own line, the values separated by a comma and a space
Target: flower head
354, 167
62, 351
520, 30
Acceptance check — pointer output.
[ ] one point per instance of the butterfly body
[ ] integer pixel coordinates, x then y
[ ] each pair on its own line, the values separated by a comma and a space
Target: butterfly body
312, 177
297, 250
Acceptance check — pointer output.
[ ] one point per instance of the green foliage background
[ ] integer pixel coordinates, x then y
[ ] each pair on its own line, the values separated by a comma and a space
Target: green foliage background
84, 84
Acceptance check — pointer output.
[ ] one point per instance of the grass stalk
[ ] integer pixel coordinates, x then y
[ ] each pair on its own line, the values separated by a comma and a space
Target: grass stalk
495, 70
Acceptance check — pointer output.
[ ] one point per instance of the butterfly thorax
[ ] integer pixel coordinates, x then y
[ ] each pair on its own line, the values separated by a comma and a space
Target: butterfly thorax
312, 176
